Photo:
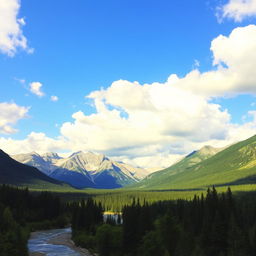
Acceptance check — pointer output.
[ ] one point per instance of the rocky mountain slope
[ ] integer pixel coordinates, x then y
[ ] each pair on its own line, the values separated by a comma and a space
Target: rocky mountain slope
84, 169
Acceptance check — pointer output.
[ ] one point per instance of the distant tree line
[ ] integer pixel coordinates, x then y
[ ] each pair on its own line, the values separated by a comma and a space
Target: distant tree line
115, 200
211, 225
22, 212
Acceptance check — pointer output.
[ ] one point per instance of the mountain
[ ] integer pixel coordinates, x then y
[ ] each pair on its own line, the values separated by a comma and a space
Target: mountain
233, 165
15, 173
96, 170
44, 163
50, 157
164, 177
84, 169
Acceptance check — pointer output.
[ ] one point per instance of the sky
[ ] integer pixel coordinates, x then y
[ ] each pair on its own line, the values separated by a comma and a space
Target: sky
141, 81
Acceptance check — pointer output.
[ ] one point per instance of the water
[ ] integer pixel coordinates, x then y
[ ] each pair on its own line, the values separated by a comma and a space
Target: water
40, 244
114, 217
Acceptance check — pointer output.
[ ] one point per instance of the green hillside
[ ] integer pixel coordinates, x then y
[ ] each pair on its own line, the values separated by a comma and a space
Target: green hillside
183, 165
15, 173
234, 165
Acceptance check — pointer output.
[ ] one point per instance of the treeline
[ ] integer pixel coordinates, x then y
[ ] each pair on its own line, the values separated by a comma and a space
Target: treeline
115, 200
211, 225
22, 212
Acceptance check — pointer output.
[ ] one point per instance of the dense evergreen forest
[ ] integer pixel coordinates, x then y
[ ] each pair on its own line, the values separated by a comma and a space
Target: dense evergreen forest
211, 225
22, 212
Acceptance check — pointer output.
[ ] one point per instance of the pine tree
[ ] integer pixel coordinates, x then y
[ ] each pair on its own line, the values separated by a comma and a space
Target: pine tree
238, 241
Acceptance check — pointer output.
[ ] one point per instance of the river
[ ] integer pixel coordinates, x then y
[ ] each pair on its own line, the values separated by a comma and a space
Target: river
55, 242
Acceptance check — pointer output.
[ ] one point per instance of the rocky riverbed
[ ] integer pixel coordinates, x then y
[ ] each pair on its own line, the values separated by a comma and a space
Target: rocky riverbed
56, 242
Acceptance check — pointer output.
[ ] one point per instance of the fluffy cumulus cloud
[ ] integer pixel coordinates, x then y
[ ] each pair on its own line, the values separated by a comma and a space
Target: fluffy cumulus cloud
10, 114
234, 58
36, 88
11, 34
132, 117
154, 124
237, 9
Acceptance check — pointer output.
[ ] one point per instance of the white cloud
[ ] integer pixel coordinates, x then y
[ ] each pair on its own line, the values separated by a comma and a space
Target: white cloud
234, 57
155, 123
10, 114
11, 34
35, 88
237, 10
38, 142
54, 98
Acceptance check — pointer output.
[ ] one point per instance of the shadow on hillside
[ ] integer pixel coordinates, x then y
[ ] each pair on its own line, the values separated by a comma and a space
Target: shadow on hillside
247, 180
176, 190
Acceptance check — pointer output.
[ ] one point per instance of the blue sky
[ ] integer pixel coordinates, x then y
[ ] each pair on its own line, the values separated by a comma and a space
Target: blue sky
77, 48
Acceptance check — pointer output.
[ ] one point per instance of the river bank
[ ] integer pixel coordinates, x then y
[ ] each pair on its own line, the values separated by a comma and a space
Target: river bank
56, 242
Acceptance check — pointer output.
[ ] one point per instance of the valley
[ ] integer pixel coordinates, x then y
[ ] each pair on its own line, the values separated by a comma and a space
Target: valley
233, 165
115, 187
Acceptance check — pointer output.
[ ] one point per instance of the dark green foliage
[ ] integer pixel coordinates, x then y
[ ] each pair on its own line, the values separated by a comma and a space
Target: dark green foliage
89, 231
22, 212
237, 239
137, 221
84, 239
86, 217
13, 238
211, 225
169, 233
150, 245
108, 239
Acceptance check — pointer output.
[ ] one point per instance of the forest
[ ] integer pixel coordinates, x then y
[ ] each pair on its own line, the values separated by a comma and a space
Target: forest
211, 224
22, 212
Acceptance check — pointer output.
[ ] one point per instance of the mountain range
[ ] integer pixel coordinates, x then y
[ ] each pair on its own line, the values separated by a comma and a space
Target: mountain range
84, 169
233, 165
